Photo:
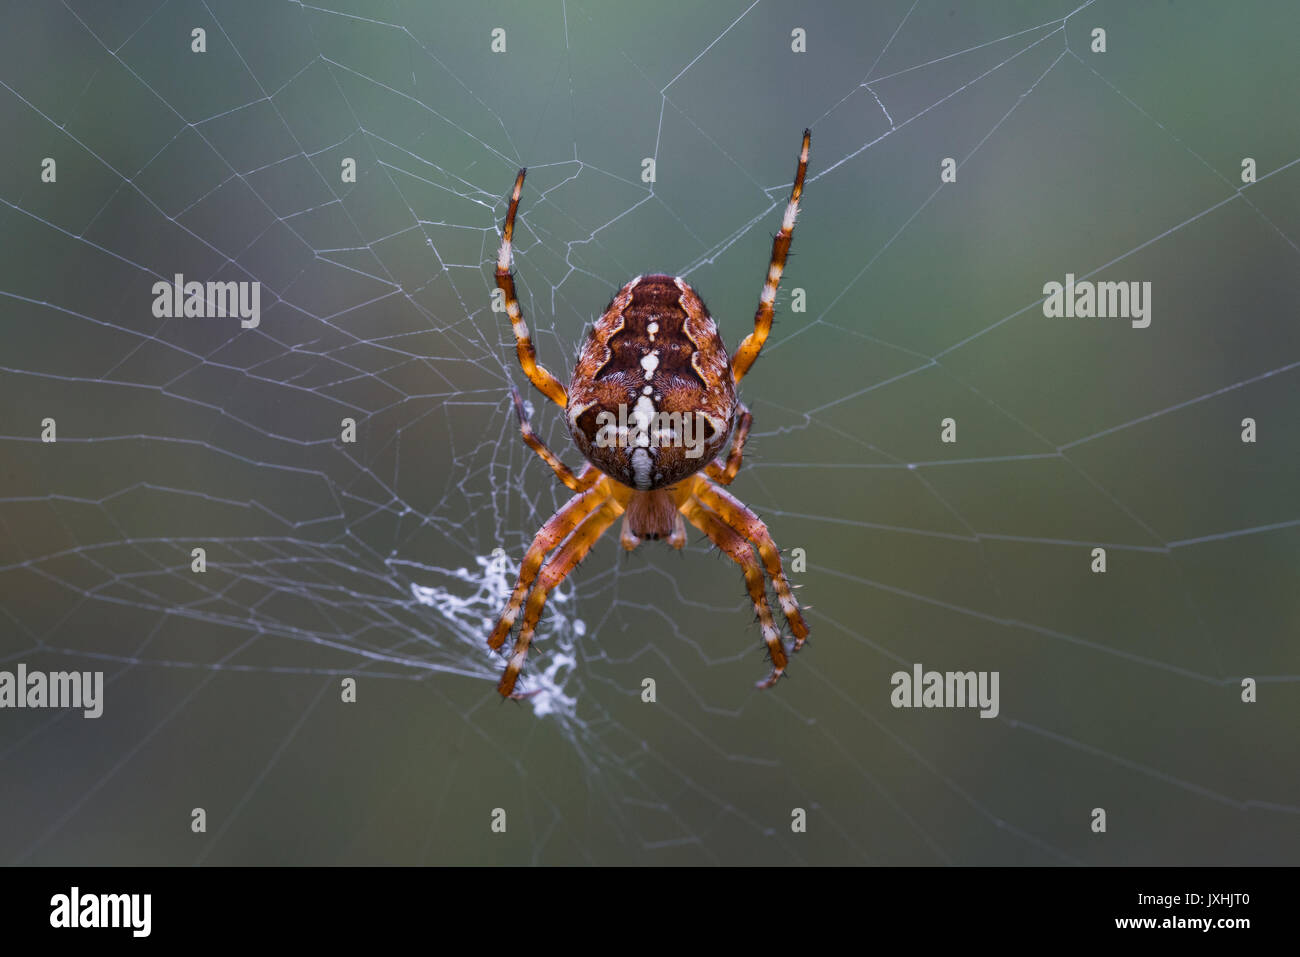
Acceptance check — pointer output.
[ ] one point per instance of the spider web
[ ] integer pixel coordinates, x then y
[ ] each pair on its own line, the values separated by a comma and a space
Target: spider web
386, 559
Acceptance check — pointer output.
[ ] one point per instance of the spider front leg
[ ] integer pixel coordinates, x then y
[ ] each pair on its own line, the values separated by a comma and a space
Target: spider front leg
548, 537
753, 343
734, 512
719, 472
579, 483
547, 383
742, 554
573, 550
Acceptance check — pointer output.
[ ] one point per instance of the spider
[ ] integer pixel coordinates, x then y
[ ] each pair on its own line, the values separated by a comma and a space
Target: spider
651, 405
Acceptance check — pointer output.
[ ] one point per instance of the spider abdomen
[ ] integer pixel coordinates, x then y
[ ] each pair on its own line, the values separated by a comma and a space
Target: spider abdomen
652, 397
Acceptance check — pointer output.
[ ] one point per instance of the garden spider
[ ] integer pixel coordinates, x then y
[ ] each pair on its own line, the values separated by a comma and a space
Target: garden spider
651, 403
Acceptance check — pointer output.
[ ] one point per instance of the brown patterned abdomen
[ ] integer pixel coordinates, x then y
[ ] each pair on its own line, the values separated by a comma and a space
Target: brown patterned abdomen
652, 397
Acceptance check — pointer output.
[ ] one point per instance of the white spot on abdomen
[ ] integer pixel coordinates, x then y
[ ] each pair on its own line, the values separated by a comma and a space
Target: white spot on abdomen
641, 469
643, 414
650, 362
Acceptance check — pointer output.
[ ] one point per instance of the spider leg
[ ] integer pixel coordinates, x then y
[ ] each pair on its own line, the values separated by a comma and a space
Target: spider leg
731, 542
579, 483
547, 383
724, 473
573, 550
734, 512
753, 343
569, 516
678, 538
628, 538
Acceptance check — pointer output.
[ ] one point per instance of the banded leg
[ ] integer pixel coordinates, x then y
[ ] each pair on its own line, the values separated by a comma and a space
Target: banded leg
573, 550
548, 537
547, 383
734, 512
721, 473
753, 343
742, 554
678, 538
579, 483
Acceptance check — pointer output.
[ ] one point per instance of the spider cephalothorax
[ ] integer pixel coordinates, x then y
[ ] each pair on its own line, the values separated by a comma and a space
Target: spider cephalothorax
651, 405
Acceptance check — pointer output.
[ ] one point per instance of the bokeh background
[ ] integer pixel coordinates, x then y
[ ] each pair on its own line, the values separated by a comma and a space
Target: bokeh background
374, 559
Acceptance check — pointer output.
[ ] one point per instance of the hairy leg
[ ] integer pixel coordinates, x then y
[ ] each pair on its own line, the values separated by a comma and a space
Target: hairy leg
724, 473
743, 555
547, 383
753, 343
588, 477
566, 558
732, 511
548, 537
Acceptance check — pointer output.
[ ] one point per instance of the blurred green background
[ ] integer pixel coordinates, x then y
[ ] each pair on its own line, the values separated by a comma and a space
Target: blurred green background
1119, 691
